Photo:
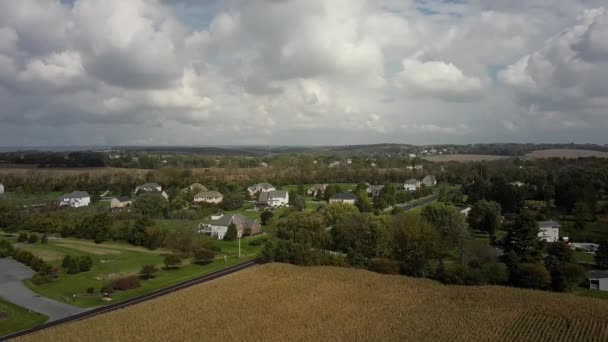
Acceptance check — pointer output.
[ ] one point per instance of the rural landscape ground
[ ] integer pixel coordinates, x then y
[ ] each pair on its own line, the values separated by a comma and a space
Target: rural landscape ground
279, 302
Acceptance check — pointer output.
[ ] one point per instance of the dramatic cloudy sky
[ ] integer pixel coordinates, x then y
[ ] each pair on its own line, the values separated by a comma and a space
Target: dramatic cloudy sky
187, 72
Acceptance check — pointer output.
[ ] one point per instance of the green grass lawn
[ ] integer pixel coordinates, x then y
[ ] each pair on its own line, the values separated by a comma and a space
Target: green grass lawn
592, 232
176, 224
111, 260
584, 257
24, 198
14, 318
585, 292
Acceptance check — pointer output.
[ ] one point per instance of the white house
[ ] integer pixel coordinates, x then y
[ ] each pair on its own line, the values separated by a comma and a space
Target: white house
335, 163
147, 187
120, 202
276, 198
344, 197
313, 190
213, 197
411, 184
466, 210
518, 184
260, 187
429, 181
198, 187
374, 190
412, 155
1, 188
598, 280
549, 231
219, 225
75, 199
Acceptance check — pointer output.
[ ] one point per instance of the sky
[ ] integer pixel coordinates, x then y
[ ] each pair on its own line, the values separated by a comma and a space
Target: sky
302, 72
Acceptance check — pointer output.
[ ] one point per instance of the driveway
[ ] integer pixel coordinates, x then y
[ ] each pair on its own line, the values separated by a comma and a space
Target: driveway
13, 290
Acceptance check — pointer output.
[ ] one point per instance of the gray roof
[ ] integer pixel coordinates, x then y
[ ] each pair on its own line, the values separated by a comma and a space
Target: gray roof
197, 186
209, 194
225, 220
264, 186
318, 187
549, 224
153, 193
598, 274
429, 178
344, 196
375, 187
412, 181
263, 197
277, 194
149, 185
123, 199
75, 194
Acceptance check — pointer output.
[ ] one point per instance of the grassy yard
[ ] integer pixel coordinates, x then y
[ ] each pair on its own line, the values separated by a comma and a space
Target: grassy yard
592, 231
14, 318
26, 198
112, 260
584, 257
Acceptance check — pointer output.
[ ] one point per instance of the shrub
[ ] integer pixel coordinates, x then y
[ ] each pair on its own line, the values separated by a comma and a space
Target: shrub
85, 263
66, 261
123, 284
534, 276
90, 290
148, 271
203, 256
172, 261
32, 238
22, 237
258, 242
40, 279
385, 266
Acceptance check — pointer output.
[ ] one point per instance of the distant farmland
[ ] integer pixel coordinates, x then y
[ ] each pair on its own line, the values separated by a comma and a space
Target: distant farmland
463, 158
279, 302
566, 153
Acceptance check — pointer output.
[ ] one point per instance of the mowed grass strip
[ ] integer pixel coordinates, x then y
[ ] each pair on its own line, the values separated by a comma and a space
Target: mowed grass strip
14, 318
279, 302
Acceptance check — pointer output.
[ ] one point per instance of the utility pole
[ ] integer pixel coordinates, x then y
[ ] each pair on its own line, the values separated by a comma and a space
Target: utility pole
239, 245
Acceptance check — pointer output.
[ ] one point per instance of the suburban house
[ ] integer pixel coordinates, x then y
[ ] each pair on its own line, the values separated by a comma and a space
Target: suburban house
154, 192
343, 197
335, 163
315, 189
598, 280
549, 231
213, 197
466, 210
147, 187
411, 184
276, 198
120, 202
1, 188
196, 187
374, 190
517, 184
75, 199
260, 187
415, 167
219, 225
429, 181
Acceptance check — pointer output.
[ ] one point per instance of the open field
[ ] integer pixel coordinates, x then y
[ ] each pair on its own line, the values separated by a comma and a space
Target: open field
15, 318
289, 303
565, 153
112, 260
463, 158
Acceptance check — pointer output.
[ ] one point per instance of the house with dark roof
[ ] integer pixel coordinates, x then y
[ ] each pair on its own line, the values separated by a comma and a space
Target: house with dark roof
374, 190
75, 199
598, 280
219, 226
343, 197
316, 189
147, 187
212, 197
196, 187
411, 185
260, 187
275, 198
120, 202
549, 231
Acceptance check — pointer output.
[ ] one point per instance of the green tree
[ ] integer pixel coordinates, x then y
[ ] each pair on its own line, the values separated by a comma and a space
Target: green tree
232, 201
415, 243
33, 238
265, 217
337, 212
148, 272
66, 261
231, 233
22, 237
533, 276
450, 224
85, 263
358, 236
73, 266
203, 256
485, 216
363, 202
582, 214
299, 202
152, 205
601, 255
522, 237
45, 239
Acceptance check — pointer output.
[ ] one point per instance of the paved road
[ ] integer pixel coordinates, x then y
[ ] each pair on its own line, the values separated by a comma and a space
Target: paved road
13, 290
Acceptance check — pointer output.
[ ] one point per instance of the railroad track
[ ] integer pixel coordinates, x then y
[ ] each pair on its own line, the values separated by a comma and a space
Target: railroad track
138, 299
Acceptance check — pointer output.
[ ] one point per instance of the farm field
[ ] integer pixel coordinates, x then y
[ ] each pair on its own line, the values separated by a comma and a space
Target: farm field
112, 260
565, 153
15, 318
338, 304
463, 158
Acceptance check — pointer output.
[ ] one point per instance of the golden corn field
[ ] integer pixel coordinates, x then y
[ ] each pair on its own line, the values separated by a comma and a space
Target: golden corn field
279, 302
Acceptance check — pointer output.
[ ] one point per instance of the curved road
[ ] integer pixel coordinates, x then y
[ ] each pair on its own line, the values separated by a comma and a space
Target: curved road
12, 289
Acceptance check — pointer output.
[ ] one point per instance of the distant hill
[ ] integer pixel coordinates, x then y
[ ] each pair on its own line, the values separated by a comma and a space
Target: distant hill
279, 302
566, 153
